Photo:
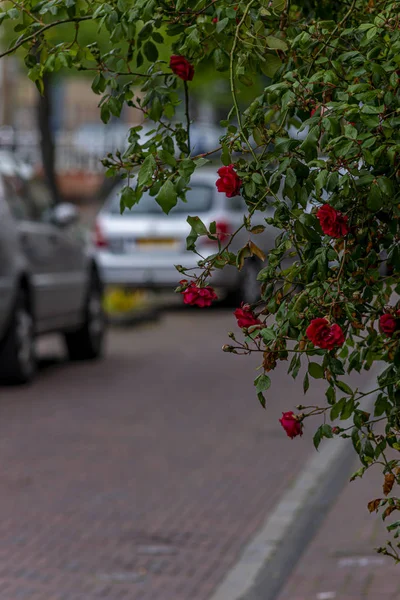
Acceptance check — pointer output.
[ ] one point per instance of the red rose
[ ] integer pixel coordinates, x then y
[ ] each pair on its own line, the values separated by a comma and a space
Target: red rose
324, 335
333, 223
182, 67
291, 425
198, 296
229, 182
388, 324
215, 20
245, 316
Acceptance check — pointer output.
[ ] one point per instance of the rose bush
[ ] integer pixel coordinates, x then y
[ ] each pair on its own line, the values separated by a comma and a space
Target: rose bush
330, 71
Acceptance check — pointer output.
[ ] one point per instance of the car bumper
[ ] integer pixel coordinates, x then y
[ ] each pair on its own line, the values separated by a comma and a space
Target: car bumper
157, 274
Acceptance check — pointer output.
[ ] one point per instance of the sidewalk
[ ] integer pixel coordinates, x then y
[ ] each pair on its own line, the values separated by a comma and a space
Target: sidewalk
340, 563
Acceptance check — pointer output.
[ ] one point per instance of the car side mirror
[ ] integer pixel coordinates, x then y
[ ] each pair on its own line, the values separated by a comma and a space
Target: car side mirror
64, 214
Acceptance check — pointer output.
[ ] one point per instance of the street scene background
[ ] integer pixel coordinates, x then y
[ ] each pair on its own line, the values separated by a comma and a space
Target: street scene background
145, 475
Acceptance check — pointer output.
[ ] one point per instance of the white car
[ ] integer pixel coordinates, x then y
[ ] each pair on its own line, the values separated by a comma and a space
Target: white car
140, 247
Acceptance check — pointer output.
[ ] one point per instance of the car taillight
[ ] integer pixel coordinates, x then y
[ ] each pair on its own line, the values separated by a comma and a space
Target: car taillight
222, 233
99, 239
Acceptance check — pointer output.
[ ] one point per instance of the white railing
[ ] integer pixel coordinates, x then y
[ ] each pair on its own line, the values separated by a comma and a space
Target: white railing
72, 154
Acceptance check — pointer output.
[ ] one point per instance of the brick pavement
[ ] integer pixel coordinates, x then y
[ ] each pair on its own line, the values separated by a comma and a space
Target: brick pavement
340, 563
141, 477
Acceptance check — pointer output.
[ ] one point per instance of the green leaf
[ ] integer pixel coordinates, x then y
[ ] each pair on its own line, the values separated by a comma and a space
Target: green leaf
99, 84
275, 43
261, 399
374, 200
271, 65
105, 113
317, 438
306, 383
200, 162
290, 179
344, 387
337, 408
221, 59
128, 197
358, 473
355, 438
167, 196
320, 180
326, 431
167, 158
221, 25
331, 394
187, 167
191, 240
156, 109
348, 409
393, 526
146, 171
316, 370
262, 383
157, 37
382, 405
268, 334
386, 186
350, 132
139, 59
197, 225
277, 5
150, 51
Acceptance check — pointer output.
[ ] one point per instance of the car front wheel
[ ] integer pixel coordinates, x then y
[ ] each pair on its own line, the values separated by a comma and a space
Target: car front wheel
87, 342
17, 353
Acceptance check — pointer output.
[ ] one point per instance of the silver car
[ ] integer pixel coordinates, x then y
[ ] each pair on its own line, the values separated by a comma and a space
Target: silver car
49, 279
140, 247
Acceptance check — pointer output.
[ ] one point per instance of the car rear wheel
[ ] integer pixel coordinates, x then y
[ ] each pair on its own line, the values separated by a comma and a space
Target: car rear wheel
87, 342
249, 286
17, 353
248, 289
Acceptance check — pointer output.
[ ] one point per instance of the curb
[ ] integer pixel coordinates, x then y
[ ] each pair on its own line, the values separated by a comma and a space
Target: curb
133, 319
266, 562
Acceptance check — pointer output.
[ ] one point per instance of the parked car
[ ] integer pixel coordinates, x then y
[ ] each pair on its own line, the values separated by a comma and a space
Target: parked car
49, 277
140, 247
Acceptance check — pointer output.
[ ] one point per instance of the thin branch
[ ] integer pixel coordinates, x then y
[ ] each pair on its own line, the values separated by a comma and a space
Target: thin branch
232, 79
321, 48
185, 83
40, 31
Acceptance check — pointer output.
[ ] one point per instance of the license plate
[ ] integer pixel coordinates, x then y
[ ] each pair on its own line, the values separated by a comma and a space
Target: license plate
153, 244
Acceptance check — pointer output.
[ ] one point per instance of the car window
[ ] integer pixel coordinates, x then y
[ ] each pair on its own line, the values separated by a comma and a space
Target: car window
199, 200
16, 198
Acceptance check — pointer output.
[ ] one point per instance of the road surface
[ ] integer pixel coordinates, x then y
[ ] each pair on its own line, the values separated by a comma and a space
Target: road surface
142, 476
